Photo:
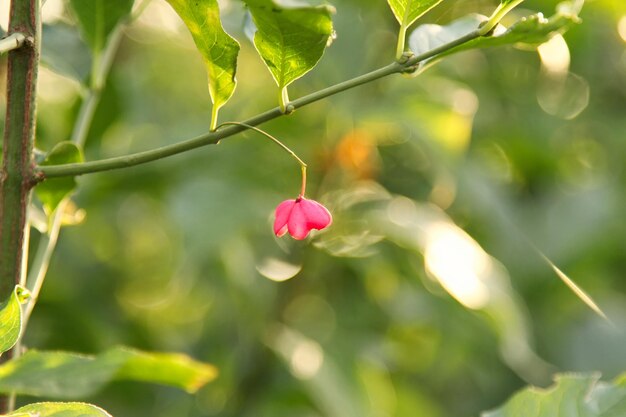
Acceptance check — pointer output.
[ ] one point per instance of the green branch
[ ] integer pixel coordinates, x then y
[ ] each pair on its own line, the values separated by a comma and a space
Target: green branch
409, 64
12, 42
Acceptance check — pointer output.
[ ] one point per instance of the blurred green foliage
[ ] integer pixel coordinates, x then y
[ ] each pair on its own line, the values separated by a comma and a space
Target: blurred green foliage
490, 148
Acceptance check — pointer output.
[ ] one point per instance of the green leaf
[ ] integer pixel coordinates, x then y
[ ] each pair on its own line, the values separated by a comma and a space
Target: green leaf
173, 369
218, 48
528, 31
98, 18
291, 41
64, 52
11, 318
572, 396
69, 375
49, 409
408, 11
531, 31
51, 192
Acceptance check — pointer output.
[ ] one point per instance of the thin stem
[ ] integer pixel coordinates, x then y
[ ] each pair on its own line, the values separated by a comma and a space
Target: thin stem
25, 253
85, 115
214, 114
270, 137
11, 42
48, 242
279, 143
41, 262
98, 80
497, 16
211, 138
413, 61
283, 99
303, 189
401, 42
108, 56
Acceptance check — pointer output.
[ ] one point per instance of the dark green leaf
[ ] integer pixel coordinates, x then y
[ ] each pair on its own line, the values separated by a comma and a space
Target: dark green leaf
11, 318
49, 409
98, 18
218, 48
571, 396
52, 191
408, 11
530, 31
69, 375
291, 41
64, 52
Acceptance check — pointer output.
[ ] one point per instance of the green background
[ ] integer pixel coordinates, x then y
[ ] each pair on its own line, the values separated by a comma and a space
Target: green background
169, 254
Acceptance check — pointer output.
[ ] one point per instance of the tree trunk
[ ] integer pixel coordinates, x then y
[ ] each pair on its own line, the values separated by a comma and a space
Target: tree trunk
16, 178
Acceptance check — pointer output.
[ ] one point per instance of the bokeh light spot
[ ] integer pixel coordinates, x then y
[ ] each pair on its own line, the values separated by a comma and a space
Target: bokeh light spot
458, 263
306, 360
277, 270
621, 28
555, 56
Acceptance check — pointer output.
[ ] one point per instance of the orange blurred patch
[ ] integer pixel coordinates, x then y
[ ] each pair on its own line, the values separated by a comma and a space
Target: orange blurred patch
356, 153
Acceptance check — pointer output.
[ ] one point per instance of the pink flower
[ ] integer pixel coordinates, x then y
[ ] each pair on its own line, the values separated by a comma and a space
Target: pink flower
299, 217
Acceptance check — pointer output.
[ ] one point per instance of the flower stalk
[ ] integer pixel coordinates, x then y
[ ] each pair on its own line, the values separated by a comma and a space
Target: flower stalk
303, 189
279, 143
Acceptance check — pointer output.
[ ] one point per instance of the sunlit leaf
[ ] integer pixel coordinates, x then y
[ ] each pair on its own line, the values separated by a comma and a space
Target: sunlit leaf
291, 41
168, 369
64, 52
218, 48
408, 11
52, 191
69, 375
49, 409
530, 31
11, 318
98, 18
571, 396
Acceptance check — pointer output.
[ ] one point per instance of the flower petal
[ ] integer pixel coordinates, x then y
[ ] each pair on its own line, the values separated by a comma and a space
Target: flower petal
283, 211
317, 216
282, 231
299, 217
298, 228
